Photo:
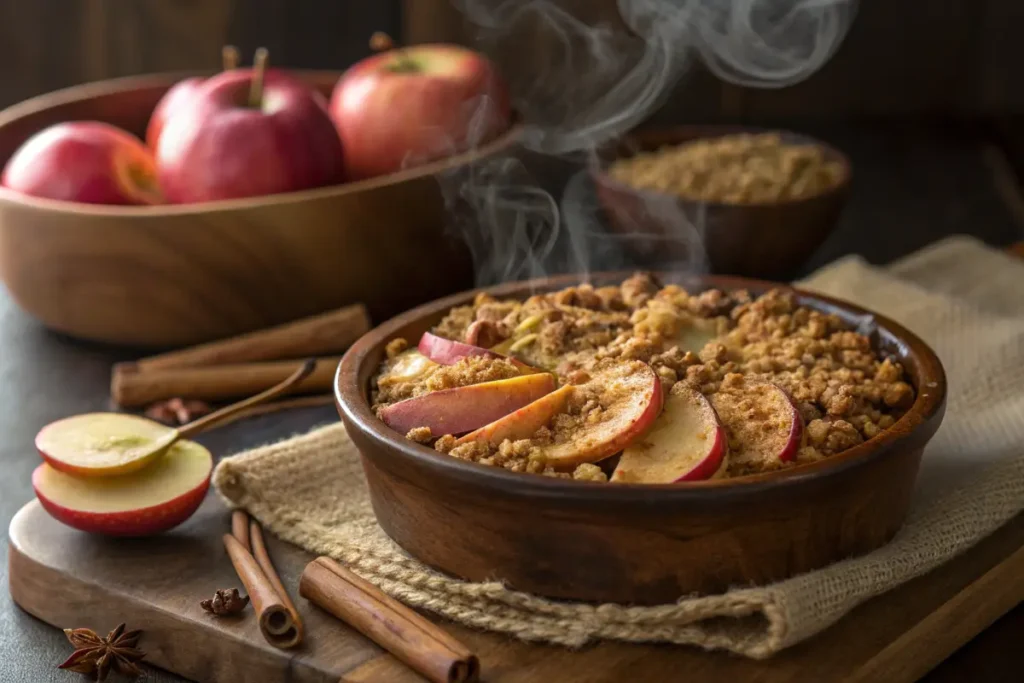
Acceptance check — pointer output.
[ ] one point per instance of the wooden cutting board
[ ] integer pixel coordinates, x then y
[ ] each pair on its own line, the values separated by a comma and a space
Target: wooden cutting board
70, 579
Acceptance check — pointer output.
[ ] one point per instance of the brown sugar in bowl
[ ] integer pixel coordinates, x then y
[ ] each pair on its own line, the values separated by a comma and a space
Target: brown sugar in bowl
762, 240
185, 274
631, 543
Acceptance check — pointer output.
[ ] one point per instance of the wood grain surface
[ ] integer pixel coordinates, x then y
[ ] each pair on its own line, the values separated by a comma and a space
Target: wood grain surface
70, 579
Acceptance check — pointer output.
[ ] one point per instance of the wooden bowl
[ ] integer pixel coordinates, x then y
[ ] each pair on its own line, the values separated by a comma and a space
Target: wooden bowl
630, 543
768, 241
176, 275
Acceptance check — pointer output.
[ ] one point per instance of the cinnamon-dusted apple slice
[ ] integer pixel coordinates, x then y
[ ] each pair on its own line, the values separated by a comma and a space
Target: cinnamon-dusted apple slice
463, 409
145, 502
448, 352
686, 443
763, 424
630, 398
523, 423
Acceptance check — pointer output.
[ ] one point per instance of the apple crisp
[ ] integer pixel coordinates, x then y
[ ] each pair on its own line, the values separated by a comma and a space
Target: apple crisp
572, 383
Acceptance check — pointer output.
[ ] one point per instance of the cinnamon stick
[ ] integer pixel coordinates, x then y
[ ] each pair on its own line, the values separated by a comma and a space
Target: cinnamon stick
240, 528
259, 551
131, 387
420, 644
319, 335
275, 620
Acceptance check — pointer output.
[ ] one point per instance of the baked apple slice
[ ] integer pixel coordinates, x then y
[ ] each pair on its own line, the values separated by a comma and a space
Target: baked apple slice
763, 424
694, 333
630, 396
523, 423
448, 352
686, 443
463, 409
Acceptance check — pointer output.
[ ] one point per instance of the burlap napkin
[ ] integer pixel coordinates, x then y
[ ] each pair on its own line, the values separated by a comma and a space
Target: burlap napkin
963, 298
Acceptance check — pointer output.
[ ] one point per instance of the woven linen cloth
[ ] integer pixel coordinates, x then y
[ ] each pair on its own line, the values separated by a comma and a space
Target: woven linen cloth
963, 298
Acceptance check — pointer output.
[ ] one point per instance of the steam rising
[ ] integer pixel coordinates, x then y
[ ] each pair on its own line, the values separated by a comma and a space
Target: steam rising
603, 77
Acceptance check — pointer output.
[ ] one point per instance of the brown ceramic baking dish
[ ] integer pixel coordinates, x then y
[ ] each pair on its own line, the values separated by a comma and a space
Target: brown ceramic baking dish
639, 544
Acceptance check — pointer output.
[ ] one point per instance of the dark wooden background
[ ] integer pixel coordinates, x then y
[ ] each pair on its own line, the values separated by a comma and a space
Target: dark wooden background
902, 58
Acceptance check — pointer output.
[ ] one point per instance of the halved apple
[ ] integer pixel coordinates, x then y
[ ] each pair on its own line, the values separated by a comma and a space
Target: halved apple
763, 424
101, 444
146, 502
523, 423
631, 396
686, 443
463, 409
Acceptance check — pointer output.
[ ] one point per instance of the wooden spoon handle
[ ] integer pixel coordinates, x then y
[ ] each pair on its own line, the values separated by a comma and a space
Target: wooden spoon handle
207, 421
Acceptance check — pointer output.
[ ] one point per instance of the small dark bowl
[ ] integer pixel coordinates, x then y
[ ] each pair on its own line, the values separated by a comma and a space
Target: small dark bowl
630, 543
768, 241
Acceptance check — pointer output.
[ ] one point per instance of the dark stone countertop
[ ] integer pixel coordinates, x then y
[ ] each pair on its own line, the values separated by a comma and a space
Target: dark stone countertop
910, 188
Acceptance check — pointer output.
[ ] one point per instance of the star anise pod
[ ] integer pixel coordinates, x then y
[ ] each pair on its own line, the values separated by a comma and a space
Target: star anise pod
97, 656
225, 602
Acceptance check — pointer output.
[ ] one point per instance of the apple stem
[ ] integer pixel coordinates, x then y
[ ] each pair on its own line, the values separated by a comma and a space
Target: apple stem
229, 57
382, 42
273, 392
259, 70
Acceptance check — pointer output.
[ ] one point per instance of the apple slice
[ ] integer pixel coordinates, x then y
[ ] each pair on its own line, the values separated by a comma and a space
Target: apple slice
687, 443
463, 409
763, 424
145, 502
523, 423
694, 333
101, 444
631, 396
449, 351
406, 367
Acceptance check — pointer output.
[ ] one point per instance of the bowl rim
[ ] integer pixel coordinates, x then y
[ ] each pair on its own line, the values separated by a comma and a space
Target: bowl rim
598, 163
11, 115
355, 410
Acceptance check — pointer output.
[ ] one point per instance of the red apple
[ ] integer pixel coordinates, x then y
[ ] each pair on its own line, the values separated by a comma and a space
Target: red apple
218, 146
763, 424
84, 161
404, 107
149, 501
177, 95
687, 443
632, 399
172, 101
463, 409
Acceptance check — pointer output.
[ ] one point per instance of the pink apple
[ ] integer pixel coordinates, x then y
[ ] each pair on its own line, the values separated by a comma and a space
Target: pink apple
218, 146
447, 351
687, 443
177, 95
172, 101
411, 105
84, 161
141, 503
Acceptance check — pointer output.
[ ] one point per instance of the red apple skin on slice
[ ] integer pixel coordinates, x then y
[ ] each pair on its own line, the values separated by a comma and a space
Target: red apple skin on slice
763, 424
448, 352
101, 444
686, 443
140, 504
464, 409
632, 400
523, 423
